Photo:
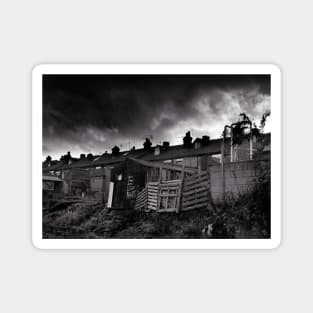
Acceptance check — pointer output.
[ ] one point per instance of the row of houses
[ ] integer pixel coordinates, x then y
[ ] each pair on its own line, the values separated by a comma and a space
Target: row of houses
160, 177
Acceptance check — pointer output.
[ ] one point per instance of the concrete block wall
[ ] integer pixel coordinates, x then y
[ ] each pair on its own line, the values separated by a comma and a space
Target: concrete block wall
239, 178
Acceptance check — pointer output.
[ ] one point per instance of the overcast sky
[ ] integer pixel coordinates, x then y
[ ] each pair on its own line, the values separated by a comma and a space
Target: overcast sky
92, 113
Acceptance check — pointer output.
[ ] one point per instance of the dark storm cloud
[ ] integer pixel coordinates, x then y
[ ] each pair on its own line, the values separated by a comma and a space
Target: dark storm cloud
85, 113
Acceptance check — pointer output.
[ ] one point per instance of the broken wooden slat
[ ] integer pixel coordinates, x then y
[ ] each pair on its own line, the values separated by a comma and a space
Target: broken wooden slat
196, 197
188, 202
196, 206
196, 190
189, 182
196, 186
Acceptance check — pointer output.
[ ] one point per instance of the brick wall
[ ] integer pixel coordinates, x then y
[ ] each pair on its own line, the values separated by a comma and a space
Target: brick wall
239, 177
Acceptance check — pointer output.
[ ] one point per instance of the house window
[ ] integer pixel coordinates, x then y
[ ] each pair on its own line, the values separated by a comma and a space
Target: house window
168, 198
131, 188
157, 150
191, 162
169, 175
216, 157
178, 161
153, 174
167, 162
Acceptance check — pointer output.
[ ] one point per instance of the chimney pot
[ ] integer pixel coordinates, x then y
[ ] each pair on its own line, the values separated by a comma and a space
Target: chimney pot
187, 140
166, 144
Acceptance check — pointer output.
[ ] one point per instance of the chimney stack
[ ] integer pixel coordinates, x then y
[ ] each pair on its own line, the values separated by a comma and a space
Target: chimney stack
166, 144
48, 160
147, 144
205, 140
66, 157
115, 151
187, 140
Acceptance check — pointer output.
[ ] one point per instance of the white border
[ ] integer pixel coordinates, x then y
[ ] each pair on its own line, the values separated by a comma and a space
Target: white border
275, 73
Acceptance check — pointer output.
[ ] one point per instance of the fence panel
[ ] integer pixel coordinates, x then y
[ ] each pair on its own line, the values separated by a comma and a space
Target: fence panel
152, 188
195, 192
142, 200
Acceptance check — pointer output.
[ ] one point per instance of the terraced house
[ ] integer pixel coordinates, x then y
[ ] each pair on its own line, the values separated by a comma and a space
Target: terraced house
162, 178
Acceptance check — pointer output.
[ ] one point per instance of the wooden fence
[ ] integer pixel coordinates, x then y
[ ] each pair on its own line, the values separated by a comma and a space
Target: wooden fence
195, 192
153, 188
141, 200
177, 195
147, 198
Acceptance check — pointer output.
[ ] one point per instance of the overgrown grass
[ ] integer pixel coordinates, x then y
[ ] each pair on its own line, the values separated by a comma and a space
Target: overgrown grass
165, 225
249, 216
246, 217
74, 221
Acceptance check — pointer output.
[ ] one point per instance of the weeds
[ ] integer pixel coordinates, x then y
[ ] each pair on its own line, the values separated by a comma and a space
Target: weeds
245, 217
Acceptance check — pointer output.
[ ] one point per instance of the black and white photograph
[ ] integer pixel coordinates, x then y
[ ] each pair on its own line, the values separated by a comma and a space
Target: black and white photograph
156, 156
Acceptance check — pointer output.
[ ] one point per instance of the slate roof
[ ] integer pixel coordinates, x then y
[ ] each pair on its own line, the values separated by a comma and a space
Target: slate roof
179, 151
54, 167
166, 153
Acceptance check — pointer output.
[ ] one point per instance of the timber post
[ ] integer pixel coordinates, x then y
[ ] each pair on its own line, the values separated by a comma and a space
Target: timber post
180, 191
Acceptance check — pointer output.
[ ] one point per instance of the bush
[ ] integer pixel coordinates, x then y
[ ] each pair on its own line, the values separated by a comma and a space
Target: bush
249, 216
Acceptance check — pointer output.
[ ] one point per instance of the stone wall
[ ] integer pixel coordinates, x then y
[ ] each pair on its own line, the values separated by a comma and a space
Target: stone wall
240, 177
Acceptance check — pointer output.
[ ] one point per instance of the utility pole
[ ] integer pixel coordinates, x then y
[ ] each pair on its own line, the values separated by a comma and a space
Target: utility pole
223, 160
222, 166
